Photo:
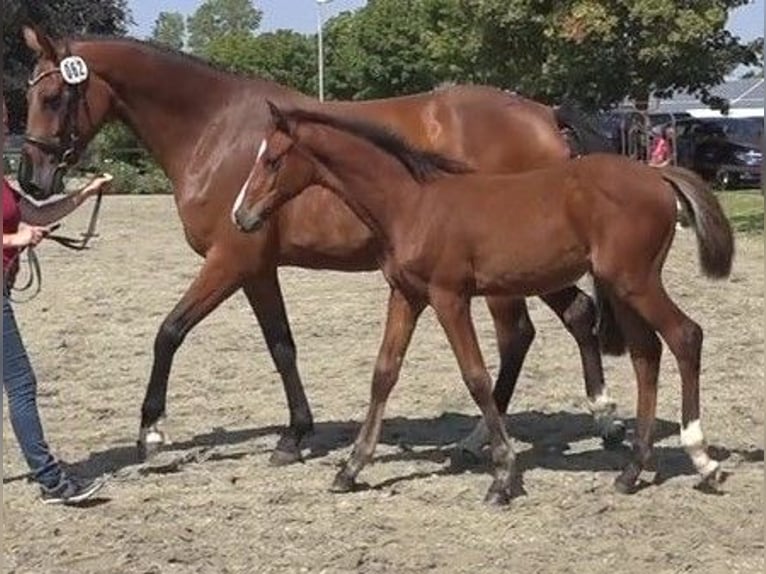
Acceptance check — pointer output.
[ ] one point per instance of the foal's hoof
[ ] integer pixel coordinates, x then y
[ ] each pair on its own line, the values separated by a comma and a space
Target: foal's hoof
150, 442
343, 482
498, 495
625, 483
614, 437
283, 457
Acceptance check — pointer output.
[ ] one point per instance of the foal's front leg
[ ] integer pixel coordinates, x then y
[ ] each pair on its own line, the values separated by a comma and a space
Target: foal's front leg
402, 317
454, 314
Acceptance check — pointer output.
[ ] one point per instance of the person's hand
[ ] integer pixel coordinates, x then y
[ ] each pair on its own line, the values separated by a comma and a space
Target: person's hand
29, 235
101, 183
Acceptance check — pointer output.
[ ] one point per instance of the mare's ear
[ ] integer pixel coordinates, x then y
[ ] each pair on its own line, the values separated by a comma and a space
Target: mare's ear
39, 42
279, 119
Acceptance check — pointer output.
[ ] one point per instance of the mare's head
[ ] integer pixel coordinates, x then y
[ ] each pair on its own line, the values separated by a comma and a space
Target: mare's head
66, 104
281, 171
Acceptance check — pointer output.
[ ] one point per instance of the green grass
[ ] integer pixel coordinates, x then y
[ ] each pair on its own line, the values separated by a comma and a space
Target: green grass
744, 208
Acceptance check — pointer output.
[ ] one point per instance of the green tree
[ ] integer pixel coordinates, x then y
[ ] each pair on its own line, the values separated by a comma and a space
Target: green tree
170, 29
601, 51
215, 19
283, 56
60, 18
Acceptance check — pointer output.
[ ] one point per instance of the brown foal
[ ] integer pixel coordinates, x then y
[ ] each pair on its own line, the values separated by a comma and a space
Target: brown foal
447, 238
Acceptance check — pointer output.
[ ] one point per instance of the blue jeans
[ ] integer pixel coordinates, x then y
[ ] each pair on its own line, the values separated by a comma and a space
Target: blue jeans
21, 388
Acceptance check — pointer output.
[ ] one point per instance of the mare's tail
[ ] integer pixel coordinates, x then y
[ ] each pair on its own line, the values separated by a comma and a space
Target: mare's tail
715, 239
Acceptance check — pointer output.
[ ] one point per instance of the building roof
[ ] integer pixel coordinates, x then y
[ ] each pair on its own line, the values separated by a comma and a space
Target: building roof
745, 98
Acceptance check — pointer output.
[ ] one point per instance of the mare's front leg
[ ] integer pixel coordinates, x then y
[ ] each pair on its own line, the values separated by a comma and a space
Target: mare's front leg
515, 333
265, 297
454, 314
400, 323
577, 312
215, 282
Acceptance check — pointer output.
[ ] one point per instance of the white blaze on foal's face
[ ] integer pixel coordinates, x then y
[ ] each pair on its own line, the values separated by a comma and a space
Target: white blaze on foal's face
243, 190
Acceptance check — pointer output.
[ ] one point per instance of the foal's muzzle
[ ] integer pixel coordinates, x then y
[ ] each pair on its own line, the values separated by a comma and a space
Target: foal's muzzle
246, 223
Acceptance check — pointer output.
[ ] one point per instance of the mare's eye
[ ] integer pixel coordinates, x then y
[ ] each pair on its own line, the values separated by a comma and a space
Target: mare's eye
52, 102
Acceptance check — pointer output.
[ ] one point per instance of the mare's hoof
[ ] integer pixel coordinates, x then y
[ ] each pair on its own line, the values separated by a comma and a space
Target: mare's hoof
343, 482
497, 496
283, 457
710, 483
615, 436
150, 442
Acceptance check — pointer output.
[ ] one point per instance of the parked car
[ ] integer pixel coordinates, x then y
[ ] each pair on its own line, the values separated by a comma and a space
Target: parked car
725, 150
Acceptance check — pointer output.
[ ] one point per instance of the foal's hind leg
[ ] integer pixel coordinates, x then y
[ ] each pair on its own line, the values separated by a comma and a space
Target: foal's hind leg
684, 338
265, 297
400, 323
645, 353
515, 333
454, 315
578, 313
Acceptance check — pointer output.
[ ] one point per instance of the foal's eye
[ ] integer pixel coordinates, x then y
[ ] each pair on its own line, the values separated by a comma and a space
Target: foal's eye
273, 162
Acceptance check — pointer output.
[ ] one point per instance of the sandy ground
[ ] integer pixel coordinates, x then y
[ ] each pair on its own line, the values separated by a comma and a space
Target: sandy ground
222, 508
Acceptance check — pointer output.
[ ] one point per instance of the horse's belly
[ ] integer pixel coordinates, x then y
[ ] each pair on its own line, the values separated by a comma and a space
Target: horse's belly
528, 276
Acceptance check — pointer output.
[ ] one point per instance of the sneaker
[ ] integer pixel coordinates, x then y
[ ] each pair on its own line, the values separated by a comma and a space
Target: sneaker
71, 490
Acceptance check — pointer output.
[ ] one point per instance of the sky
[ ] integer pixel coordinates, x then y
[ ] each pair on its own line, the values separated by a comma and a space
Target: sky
301, 15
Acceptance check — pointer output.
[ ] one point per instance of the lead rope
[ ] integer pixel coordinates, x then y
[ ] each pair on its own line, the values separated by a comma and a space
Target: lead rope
35, 276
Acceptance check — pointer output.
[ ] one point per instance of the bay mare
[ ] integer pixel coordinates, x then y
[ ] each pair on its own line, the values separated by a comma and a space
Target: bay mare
202, 125
449, 235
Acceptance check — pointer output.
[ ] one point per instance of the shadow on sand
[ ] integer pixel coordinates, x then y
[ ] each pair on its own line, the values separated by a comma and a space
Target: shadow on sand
553, 438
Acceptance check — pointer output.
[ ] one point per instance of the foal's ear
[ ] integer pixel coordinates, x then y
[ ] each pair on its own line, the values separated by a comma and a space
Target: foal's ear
279, 119
39, 42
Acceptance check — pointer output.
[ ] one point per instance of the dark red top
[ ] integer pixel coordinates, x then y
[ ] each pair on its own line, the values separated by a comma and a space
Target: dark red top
11, 219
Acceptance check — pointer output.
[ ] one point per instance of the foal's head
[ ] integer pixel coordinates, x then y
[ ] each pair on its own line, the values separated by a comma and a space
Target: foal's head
281, 171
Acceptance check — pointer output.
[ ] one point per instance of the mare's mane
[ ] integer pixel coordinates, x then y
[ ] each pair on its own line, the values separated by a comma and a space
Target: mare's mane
421, 164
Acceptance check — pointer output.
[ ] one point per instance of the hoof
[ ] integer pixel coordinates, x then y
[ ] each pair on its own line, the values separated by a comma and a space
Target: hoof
626, 482
712, 480
150, 442
497, 496
280, 457
343, 482
615, 436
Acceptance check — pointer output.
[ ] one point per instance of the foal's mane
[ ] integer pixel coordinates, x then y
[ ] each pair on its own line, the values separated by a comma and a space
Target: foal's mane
423, 165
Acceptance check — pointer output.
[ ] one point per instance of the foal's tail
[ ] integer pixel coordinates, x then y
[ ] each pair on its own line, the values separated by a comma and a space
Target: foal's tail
714, 235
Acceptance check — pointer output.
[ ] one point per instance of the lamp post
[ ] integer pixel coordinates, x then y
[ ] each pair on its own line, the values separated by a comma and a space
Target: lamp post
320, 47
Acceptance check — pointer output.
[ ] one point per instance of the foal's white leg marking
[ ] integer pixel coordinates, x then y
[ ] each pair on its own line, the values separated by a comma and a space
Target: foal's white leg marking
476, 440
241, 195
693, 441
603, 409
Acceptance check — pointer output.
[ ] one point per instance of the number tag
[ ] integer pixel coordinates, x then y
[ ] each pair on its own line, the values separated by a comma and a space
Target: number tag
74, 70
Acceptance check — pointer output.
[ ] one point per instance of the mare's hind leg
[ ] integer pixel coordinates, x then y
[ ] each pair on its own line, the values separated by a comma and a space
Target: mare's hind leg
214, 284
265, 297
515, 333
645, 353
684, 338
454, 314
578, 313
400, 323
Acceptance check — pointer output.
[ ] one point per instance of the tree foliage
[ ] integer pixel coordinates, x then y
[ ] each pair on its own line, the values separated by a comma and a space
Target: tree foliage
63, 17
216, 19
170, 29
